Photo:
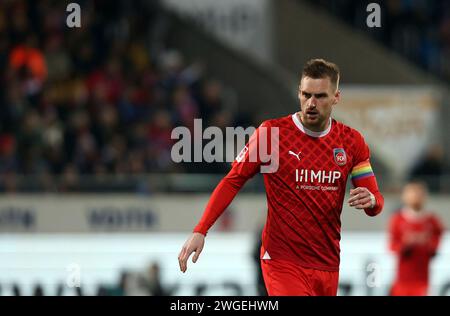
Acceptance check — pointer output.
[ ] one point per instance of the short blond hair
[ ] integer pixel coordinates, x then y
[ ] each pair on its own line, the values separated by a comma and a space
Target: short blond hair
320, 68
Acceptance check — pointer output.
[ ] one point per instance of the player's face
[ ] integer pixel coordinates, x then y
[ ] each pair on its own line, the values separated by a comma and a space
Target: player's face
317, 98
414, 196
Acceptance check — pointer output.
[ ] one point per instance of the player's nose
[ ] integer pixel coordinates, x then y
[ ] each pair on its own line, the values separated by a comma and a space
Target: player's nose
311, 106
312, 102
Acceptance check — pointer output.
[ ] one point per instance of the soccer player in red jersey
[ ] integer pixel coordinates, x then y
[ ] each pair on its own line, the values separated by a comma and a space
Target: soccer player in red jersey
315, 154
414, 238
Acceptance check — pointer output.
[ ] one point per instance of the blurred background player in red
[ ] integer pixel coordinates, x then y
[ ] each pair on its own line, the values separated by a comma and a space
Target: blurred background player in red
414, 238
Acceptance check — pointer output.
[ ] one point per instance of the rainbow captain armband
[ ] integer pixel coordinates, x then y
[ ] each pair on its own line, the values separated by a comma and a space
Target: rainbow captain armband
362, 170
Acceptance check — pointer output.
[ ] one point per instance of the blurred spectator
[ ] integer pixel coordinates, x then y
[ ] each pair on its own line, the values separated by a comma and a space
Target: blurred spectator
102, 290
8, 158
70, 179
38, 290
211, 99
227, 221
16, 290
28, 58
430, 168
414, 236
121, 288
152, 281
61, 287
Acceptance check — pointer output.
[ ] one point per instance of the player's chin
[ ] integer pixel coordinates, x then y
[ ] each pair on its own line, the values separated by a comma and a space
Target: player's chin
313, 120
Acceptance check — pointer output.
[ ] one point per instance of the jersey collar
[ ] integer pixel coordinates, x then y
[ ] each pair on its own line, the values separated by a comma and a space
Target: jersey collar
412, 215
300, 126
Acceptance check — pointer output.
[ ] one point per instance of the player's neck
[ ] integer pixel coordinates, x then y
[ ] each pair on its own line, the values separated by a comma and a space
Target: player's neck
413, 214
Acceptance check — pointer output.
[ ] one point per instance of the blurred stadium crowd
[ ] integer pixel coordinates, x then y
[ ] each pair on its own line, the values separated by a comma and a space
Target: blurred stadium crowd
416, 29
101, 99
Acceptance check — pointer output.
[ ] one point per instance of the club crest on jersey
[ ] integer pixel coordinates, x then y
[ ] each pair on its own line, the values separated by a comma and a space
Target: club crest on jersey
339, 156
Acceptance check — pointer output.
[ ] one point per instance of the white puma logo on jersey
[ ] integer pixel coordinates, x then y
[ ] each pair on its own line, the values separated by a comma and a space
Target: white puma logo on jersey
266, 256
294, 154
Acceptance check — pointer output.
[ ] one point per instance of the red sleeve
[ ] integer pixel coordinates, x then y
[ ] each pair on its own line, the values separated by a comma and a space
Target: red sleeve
395, 235
246, 165
363, 176
438, 229
221, 197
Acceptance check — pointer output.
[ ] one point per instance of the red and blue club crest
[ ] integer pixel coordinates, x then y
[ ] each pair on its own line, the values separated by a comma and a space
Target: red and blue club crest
339, 156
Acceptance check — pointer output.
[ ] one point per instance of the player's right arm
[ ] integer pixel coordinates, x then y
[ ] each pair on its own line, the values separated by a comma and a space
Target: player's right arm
194, 243
243, 168
221, 197
402, 242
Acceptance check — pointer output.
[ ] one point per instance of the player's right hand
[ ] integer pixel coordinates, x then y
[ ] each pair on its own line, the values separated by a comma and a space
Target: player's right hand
194, 243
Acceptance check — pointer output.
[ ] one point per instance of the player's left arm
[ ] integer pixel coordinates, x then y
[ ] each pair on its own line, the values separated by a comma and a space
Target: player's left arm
365, 194
436, 235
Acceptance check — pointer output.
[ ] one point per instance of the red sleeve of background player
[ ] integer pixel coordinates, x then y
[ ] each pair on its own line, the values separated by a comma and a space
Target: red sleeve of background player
246, 165
438, 228
395, 234
363, 176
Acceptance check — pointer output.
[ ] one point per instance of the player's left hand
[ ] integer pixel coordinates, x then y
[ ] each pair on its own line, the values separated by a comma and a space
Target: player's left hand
361, 198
